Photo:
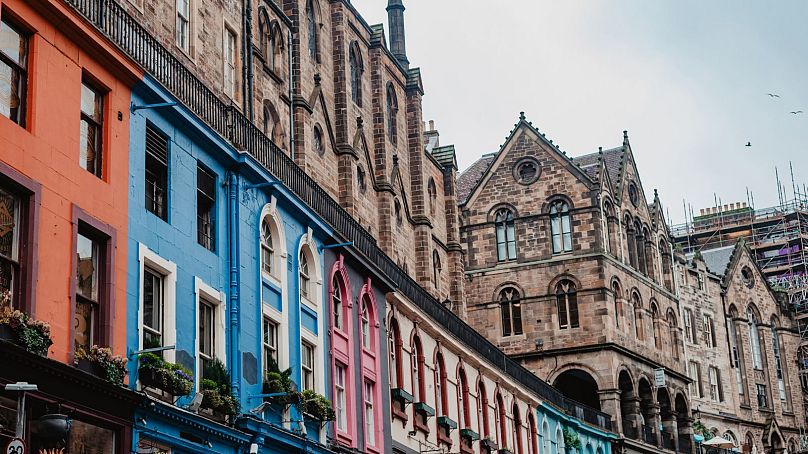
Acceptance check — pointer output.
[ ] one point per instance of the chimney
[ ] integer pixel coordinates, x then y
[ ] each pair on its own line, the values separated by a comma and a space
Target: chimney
395, 17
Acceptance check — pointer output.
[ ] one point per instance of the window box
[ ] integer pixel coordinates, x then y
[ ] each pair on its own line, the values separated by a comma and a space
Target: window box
32, 335
316, 407
445, 421
422, 407
158, 374
489, 444
400, 394
100, 361
470, 434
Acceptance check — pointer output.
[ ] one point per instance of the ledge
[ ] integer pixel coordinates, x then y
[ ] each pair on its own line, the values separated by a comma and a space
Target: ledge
424, 408
446, 422
470, 434
400, 394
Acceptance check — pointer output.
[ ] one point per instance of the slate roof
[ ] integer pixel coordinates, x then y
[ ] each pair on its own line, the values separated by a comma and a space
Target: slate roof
611, 157
717, 260
469, 178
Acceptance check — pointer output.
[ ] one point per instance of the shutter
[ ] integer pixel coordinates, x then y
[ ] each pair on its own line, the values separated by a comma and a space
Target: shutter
156, 145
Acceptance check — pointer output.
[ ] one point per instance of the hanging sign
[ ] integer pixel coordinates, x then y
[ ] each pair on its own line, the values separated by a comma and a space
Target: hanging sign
659, 378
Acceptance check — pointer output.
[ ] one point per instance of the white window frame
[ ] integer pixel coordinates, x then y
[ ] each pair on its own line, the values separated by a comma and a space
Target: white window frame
149, 259
688, 322
707, 329
713, 377
266, 346
188, 18
203, 291
340, 399
229, 61
312, 369
370, 420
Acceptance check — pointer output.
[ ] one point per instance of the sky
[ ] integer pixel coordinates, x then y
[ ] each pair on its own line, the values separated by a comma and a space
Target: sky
688, 79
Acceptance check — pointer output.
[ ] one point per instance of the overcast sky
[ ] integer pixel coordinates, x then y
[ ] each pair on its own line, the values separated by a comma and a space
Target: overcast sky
687, 79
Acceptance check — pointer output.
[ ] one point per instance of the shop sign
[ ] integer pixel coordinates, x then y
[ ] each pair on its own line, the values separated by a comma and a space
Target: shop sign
15, 446
659, 377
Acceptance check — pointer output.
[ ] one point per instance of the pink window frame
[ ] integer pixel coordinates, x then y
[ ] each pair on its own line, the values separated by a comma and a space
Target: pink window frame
371, 367
342, 351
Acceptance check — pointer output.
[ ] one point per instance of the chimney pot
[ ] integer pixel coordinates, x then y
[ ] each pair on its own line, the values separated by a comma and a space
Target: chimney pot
395, 17
431, 125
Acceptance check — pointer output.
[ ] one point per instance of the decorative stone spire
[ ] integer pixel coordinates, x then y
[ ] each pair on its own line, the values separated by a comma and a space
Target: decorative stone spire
395, 17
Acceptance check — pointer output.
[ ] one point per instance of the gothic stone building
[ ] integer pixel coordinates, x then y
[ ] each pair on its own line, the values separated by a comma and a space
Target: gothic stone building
340, 98
740, 343
569, 270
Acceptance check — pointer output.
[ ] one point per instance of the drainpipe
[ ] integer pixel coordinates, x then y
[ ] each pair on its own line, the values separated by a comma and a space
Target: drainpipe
291, 100
233, 252
249, 60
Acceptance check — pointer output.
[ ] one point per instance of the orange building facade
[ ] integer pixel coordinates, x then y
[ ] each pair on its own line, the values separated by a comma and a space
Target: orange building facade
64, 140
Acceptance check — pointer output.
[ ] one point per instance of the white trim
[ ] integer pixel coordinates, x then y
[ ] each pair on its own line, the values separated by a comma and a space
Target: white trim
147, 257
211, 295
281, 280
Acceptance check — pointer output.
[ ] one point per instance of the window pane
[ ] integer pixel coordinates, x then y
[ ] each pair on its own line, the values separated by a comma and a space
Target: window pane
205, 208
506, 319
516, 310
152, 309
13, 43
90, 102
84, 322
87, 267
156, 173
9, 231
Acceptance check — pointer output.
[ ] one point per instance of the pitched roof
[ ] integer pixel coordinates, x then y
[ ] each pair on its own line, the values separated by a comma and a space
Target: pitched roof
469, 178
717, 260
611, 157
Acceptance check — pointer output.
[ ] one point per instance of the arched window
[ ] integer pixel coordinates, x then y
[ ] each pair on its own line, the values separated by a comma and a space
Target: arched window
510, 307
367, 323
517, 428
273, 127
560, 446
394, 346
433, 195
436, 269
736, 352
502, 431
441, 391
778, 363
356, 66
482, 409
631, 242
311, 27
392, 113
264, 34
397, 209
545, 437
560, 227
267, 246
567, 304
655, 323
638, 328
317, 142
337, 313
532, 432
417, 370
672, 325
754, 338
506, 235
463, 399
639, 240
303, 274
618, 303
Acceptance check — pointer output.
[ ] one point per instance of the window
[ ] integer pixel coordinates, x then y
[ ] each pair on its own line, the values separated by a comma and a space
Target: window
436, 269
303, 273
754, 338
441, 404
510, 306
560, 227
360, 180
688, 318
156, 173
13, 228
207, 332
267, 247
392, 112
366, 338
501, 422
396, 378
152, 309
567, 305
736, 357
205, 208
270, 344
370, 424
637, 305
527, 171
463, 397
433, 195
336, 303
307, 366
91, 129
655, 325
417, 361
715, 384
506, 235
13, 72
517, 428
318, 140
708, 332
701, 280
778, 364
633, 194
397, 209
339, 398
747, 277
762, 399
89, 289
482, 409
230, 49
311, 28
355, 63
184, 25
694, 372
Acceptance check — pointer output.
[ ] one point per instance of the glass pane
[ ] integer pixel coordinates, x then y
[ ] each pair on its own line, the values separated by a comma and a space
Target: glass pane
84, 321
567, 242
501, 251
12, 44
506, 319
557, 247
152, 317
511, 249
89, 102
88, 138
9, 91
87, 268
86, 438
8, 224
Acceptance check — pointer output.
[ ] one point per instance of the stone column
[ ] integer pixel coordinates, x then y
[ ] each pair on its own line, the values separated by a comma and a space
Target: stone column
610, 404
685, 429
631, 422
669, 428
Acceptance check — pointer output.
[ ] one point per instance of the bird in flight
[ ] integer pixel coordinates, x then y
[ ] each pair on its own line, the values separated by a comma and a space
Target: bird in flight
772, 95
795, 112
748, 144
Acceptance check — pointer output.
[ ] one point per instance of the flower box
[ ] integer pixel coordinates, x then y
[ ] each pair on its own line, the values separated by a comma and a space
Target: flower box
91, 367
470, 434
7, 333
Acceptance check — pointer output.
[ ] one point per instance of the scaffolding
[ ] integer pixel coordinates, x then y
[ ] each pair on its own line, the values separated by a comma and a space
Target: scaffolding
778, 237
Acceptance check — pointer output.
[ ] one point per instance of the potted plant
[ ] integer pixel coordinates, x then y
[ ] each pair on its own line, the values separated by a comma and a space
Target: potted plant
571, 440
156, 373
316, 406
217, 398
280, 382
100, 362
33, 335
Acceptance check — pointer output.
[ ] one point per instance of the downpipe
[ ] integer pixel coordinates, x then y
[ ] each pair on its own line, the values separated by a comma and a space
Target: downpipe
233, 253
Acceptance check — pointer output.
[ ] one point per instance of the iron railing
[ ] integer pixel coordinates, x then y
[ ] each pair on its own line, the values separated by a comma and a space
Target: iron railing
124, 31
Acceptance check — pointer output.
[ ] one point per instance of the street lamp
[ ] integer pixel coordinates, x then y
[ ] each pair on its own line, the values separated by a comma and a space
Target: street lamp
21, 387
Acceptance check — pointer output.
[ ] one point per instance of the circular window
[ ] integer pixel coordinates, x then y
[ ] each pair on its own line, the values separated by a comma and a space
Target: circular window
318, 140
526, 171
747, 276
633, 195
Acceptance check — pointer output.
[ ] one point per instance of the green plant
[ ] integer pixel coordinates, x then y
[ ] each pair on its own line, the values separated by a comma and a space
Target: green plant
114, 366
216, 390
316, 406
33, 335
702, 430
281, 383
169, 377
571, 440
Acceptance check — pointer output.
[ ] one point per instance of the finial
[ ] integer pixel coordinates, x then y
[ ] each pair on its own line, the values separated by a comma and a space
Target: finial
522, 116
600, 150
656, 194
359, 122
317, 79
625, 137
395, 159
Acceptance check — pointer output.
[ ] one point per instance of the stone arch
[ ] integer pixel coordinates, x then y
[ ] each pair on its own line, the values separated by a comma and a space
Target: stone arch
579, 384
492, 213
668, 415
617, 295
551, 288
549, 201
648, 410
684, 423
629, 407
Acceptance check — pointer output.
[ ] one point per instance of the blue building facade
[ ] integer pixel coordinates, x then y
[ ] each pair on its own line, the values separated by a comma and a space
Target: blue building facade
225, 285
554, 423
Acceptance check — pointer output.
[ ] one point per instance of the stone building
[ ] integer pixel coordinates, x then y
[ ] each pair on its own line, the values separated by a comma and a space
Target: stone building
740, 345
569, 270
339, 96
